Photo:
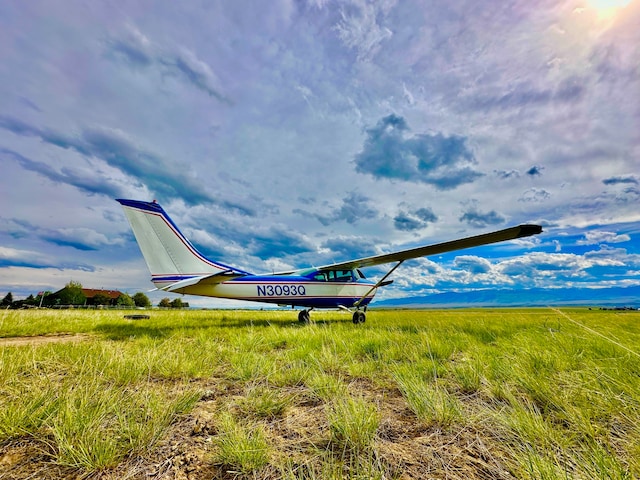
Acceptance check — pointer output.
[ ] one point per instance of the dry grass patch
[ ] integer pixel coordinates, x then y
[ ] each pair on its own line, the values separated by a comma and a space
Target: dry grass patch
43, 339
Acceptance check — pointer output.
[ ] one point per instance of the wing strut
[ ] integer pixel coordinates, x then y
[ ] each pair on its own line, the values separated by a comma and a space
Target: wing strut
380, 282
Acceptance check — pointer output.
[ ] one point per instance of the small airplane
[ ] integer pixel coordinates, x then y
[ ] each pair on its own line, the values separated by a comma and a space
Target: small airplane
176, 266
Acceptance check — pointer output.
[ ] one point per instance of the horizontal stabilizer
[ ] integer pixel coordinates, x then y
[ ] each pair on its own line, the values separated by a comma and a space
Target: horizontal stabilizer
200, 280
187, 282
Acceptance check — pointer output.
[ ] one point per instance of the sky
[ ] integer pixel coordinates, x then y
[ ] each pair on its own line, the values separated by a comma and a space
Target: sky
292, 133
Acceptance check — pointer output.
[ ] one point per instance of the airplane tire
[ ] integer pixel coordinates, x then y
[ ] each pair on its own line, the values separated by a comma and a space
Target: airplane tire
359, 317
304, 317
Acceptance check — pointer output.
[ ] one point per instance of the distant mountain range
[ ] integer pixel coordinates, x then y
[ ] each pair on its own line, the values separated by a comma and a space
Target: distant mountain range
595, 297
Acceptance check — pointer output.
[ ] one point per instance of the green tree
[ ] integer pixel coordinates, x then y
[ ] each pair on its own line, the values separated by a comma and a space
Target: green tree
31, 300
165, 303
72, 294
101, 299
125, 300
7, 300
141, 300
177, 303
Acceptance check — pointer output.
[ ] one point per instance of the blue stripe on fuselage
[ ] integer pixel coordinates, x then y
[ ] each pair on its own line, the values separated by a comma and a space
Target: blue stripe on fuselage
311, 302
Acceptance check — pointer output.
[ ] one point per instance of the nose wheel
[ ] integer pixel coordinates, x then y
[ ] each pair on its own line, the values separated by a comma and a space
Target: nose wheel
359, 317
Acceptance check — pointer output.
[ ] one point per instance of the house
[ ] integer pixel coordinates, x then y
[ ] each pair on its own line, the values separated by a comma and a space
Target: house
91, 293
82, 296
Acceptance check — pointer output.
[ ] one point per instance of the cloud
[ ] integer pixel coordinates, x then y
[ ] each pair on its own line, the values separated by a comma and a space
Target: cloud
629, 196
133, 46
243, 243
405, 222
408, 221
346, 247
12, 257
614, 266
164, 178
168, 179
472, 264
535, 171
550, 268
84, 180
525, 94
625, 179
78, 238
535, 195
599, 236
388, 152
138, 51
277, 241
28, 103
355, 207
82, 238
478, 219
612, 257
507, 174
538, 264
359, 29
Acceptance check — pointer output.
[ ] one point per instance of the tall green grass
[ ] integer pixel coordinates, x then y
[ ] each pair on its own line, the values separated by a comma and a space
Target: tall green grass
547, 397
431, 403
353, 423
241, 448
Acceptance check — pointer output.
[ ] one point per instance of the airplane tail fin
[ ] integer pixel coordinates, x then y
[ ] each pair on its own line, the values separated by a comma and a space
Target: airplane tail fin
171, 258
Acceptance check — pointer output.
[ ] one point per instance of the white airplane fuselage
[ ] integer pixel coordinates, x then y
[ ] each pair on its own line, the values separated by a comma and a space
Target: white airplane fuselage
294, 290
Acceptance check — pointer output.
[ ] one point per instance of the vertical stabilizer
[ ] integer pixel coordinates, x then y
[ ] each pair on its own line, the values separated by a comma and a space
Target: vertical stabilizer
169, 255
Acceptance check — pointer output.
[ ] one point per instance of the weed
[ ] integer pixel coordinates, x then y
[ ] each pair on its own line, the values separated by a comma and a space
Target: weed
353, 423
243, 448
430, 403
327, 387
263, 401
468, 375
25, 412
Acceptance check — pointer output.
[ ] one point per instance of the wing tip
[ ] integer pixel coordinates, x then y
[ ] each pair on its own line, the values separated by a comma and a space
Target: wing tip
526, 230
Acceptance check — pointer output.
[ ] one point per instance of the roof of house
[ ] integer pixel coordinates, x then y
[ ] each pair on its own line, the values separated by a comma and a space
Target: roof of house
92, 292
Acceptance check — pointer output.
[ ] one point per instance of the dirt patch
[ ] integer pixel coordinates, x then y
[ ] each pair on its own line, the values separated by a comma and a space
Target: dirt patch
43, 339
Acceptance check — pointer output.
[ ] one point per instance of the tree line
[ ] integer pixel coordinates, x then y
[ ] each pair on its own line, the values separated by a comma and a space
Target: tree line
73, 295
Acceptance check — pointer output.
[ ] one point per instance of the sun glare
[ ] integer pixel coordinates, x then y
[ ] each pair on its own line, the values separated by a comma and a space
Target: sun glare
607, 8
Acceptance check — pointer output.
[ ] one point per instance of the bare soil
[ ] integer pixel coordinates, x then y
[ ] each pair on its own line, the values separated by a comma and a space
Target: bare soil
43, 339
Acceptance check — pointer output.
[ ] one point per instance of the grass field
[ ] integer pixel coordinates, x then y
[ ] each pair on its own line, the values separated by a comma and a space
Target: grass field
492, 394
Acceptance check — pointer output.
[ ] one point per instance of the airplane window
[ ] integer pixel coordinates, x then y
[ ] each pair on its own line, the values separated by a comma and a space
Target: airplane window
334, 276
340, 276
359, 273
345, 276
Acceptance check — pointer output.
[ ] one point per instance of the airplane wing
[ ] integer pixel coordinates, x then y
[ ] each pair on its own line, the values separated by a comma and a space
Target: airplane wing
500, 236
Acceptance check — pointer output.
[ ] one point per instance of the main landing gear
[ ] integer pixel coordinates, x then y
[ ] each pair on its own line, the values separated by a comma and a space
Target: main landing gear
359, 317
304, 316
